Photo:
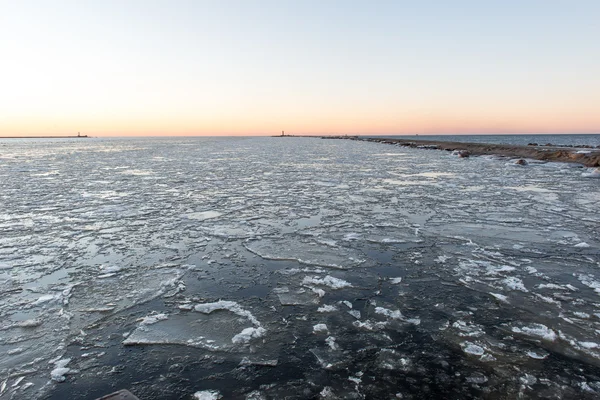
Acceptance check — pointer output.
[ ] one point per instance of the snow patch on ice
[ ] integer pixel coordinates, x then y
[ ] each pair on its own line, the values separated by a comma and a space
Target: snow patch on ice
500, 297
514, 283
589, 281
471, 348
60, 370
248, 334
327, 308
331, 343
536, 330
329, 281
207, 395
152, 319
393, 314
207, 308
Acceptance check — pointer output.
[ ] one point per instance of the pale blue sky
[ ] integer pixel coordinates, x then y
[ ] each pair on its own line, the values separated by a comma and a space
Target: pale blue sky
248, 67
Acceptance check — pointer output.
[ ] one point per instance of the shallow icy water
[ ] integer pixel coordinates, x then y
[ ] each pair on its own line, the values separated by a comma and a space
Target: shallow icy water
306, 268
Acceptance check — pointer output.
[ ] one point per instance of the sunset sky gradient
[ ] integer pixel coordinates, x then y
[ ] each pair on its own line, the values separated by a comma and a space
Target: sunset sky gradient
242, 67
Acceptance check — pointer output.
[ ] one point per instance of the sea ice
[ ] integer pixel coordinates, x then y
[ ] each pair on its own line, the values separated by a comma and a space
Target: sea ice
471, 348
152, 319
305, 253
329, 281
393, 314
208, 395
60, 370
294, 297
514, 283
536, 330
331, 343
327, 308
248, 334
219, 328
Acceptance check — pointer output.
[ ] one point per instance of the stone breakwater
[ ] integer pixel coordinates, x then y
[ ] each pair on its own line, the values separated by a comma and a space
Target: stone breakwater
589, 157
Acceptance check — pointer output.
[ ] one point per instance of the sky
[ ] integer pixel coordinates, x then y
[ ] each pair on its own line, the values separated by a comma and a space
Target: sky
257, 67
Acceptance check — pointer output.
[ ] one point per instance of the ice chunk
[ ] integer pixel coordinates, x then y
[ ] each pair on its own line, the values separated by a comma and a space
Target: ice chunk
536, 330
396, 314
232, 306
392, 360
442, 259
110, 269
320, 328
477, 378
395, 281
152, 319
500, 297
219, 327
331, 343
305, 253
327, 308
208, 395
514, 283
467, 329
346, 303
29, 323
538, 354
248, 334
370, 325
60, 370
590, 281
552, 286
327, 393
45, 299
295, 297
203, 215
471, 348
329, 281
331, 359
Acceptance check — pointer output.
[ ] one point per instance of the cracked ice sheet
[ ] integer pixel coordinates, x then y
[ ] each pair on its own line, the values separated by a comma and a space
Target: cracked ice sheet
222, 325
41, 330
308, 253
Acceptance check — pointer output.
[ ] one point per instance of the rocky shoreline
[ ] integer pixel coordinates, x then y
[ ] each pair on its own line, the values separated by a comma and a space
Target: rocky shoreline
585, 155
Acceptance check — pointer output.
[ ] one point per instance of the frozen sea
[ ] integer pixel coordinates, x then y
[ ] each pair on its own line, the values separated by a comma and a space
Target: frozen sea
271, 268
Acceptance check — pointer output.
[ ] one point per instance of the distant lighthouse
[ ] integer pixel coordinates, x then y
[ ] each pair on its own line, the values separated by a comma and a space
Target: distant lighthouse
282, 134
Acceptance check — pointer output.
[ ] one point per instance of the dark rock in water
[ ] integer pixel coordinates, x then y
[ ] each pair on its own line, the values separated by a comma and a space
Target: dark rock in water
532, 144
521, 162
548, 144
461, 153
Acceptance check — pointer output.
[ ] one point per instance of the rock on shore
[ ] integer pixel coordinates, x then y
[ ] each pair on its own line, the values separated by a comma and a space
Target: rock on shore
548, 152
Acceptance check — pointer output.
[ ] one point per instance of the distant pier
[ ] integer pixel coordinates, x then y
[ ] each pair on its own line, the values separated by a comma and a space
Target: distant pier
45, 137
586, 155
